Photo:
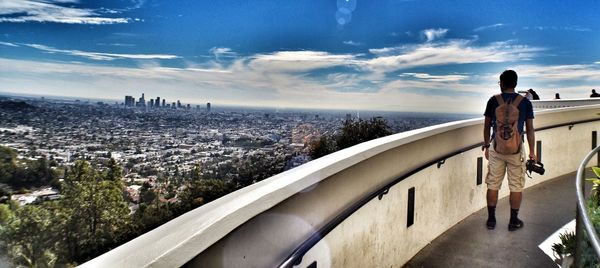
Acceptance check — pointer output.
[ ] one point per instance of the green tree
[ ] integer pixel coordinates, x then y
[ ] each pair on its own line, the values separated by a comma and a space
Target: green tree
8, 165
147, 194
352, 133
259, 166
96, 212
6, 214
150, 216
29, 237
114, 172
322, 146
200, 192
24, 173
196, 173
355, 132
212, 189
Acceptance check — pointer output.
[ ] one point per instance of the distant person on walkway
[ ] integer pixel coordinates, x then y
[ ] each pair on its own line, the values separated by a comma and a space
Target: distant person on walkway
507, 114
557, 96
534, 94
594, 94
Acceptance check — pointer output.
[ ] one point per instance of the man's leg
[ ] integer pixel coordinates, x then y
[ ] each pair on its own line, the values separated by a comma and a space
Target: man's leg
492, 197
492, 200
516, 182
515, 200
496, 170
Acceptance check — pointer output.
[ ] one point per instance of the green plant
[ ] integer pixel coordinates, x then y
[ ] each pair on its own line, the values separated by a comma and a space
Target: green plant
566, 246
588, 255
595, 185
352, 133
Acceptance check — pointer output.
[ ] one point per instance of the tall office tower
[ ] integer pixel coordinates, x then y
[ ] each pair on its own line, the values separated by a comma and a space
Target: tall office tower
142, 101
188, 106
164, 103
157, 102
208, 107
151, 103
129, 101
178, 104
173, 106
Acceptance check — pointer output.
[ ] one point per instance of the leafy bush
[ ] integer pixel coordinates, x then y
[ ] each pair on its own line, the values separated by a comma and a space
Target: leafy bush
352, 133
566, 246
588, 255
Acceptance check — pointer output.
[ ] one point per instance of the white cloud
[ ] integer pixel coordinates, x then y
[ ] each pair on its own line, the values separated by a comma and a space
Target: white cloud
451, 52
487, 27
436, 78
344, 80
299, 61
138, 3
555, 28
352, 43
220, 52
432, 34
100, 55
577, 29
576, 72
9, 44
386, 50
283, 78
239, 85
52, 11
116, 44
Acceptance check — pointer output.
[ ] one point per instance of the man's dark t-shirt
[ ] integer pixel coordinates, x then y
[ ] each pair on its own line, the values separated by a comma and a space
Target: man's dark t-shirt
525, 111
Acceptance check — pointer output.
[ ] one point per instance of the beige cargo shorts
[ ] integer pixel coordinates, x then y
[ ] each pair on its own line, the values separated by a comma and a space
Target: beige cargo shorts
513, 165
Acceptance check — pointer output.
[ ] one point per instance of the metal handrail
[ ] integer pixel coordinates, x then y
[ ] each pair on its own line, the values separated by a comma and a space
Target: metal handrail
583, 217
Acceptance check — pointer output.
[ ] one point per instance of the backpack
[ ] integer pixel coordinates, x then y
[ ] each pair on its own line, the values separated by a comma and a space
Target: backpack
508, 138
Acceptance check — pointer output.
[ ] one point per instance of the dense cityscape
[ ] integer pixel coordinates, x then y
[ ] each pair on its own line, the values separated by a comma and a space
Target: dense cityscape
157, 141
154, 143
164, 158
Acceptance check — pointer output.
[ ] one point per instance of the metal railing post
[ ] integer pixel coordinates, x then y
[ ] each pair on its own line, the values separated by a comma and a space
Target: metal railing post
578, 238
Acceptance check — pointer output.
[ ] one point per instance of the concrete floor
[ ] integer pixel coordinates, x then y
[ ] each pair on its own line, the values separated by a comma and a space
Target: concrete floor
545, 209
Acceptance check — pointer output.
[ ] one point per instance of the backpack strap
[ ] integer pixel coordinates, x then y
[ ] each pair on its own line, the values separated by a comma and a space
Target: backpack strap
518, 100
499, 99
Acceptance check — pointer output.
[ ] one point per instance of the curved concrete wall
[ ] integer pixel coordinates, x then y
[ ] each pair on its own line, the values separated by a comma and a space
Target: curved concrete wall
260, 225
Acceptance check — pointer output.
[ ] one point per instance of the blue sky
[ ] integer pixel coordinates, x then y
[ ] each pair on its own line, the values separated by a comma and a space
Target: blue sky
440, 56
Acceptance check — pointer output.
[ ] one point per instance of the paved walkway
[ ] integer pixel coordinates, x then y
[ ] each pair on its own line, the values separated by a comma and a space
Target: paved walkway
546, 208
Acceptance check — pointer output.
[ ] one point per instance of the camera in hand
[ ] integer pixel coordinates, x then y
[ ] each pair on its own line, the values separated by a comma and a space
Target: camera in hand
537, 167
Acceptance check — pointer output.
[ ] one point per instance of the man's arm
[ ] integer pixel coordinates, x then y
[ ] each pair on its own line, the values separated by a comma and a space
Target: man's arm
487, 124
531, 138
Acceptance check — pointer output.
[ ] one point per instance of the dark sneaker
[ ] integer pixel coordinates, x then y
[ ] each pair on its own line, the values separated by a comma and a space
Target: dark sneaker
490, 224
515, 225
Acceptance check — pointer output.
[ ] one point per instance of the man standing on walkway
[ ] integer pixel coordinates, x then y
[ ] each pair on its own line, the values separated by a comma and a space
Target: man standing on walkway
507, 114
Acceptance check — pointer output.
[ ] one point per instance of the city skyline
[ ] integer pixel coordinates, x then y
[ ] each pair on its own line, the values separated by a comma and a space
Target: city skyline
349, 55
130, 101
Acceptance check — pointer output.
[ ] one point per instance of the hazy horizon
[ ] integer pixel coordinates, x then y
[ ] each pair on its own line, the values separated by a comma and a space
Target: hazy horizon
411, 56
218, 106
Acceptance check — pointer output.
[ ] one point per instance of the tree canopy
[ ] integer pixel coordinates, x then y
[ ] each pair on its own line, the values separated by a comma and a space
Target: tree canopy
352, 133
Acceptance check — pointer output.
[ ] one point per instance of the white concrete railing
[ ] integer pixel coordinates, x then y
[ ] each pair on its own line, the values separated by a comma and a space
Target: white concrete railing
562, 103
261, 225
